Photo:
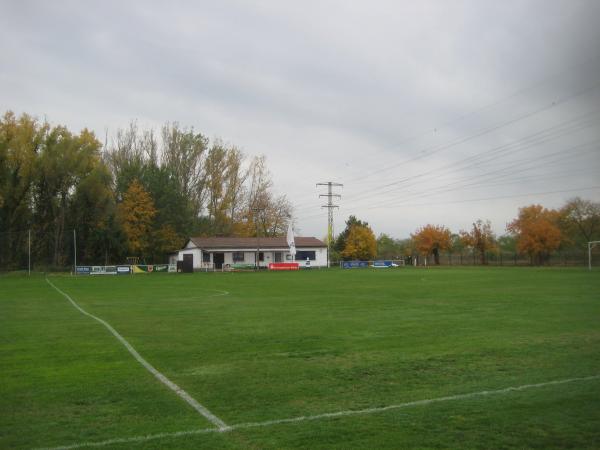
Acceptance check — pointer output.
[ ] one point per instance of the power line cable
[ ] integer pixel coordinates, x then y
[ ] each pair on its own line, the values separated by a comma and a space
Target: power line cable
429, 151
535, 160
476, 160
556, 131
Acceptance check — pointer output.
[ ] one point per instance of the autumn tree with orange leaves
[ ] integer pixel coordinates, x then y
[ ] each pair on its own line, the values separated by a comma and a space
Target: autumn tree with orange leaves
431, 239
360, 243
481, 238
537, 232
136, 213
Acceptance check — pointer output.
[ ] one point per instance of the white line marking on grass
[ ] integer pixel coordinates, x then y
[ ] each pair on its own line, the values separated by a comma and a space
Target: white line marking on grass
135, 439
221, 293
409, 404
162, 378
268, 423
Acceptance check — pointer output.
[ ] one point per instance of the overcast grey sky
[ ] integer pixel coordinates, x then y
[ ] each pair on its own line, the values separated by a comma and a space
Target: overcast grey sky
437, 112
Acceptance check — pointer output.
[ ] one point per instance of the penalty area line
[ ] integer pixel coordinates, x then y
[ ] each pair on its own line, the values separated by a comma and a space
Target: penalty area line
149, 367
323, 416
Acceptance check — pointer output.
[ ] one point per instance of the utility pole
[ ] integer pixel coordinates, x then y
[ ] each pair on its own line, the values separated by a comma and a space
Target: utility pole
74, 252
330, 207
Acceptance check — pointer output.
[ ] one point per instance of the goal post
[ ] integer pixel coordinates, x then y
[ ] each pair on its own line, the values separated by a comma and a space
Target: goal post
591, 245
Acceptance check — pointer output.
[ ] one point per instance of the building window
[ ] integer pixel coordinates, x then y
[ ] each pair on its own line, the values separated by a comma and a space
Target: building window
238, 257
310, 254
205, 257
261, 256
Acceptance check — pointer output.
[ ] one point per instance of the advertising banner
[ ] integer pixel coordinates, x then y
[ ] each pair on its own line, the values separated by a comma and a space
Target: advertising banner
83, 270
103, 270
383, 264
142, 268
284, 266
123, 270
354, 264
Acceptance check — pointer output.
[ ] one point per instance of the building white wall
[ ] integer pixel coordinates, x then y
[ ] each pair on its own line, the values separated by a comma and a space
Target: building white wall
249, 256
191, 251
320, 255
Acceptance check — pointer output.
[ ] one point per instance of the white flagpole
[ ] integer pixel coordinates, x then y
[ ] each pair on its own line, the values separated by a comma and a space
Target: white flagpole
290, 241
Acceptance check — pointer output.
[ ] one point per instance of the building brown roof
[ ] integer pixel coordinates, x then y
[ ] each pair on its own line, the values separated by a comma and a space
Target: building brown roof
252, 242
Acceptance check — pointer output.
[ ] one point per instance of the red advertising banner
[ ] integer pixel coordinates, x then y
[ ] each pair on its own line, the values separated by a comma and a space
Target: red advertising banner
284, 266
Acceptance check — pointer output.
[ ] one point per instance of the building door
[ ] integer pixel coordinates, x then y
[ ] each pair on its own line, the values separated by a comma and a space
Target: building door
188, 263
218, 260
278, 257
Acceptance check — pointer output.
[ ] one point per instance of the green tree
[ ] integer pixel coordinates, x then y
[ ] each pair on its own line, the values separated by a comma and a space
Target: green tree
183, 154
64, 162
21, 140
507, 243
165, 240
172, 206
92, 210
579, 221
388, 247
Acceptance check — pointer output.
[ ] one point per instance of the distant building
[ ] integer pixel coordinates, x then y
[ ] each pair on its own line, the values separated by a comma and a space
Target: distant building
217, 252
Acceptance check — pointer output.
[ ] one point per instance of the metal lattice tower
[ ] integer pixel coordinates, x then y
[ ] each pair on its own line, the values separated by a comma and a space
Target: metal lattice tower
330, 207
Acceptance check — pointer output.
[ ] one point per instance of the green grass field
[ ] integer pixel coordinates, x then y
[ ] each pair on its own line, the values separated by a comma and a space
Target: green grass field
259, 347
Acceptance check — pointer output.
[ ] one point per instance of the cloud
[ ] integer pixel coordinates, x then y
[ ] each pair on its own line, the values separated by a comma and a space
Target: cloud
356, 92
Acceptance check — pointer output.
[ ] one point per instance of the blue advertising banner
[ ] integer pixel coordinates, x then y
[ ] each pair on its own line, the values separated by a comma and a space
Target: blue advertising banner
354, 264
83, 270
383, 264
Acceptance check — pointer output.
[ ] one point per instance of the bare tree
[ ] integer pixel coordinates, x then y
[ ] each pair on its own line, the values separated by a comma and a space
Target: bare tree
271, 212
235, 177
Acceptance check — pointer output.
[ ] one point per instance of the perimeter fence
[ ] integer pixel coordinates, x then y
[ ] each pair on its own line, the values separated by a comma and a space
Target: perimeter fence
40, 251
58, 251
570, 258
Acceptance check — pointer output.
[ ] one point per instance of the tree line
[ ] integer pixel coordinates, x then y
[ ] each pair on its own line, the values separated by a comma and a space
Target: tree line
140, 195
536, 232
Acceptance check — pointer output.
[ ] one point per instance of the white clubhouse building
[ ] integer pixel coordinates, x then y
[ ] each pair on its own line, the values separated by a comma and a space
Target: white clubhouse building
222, 252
